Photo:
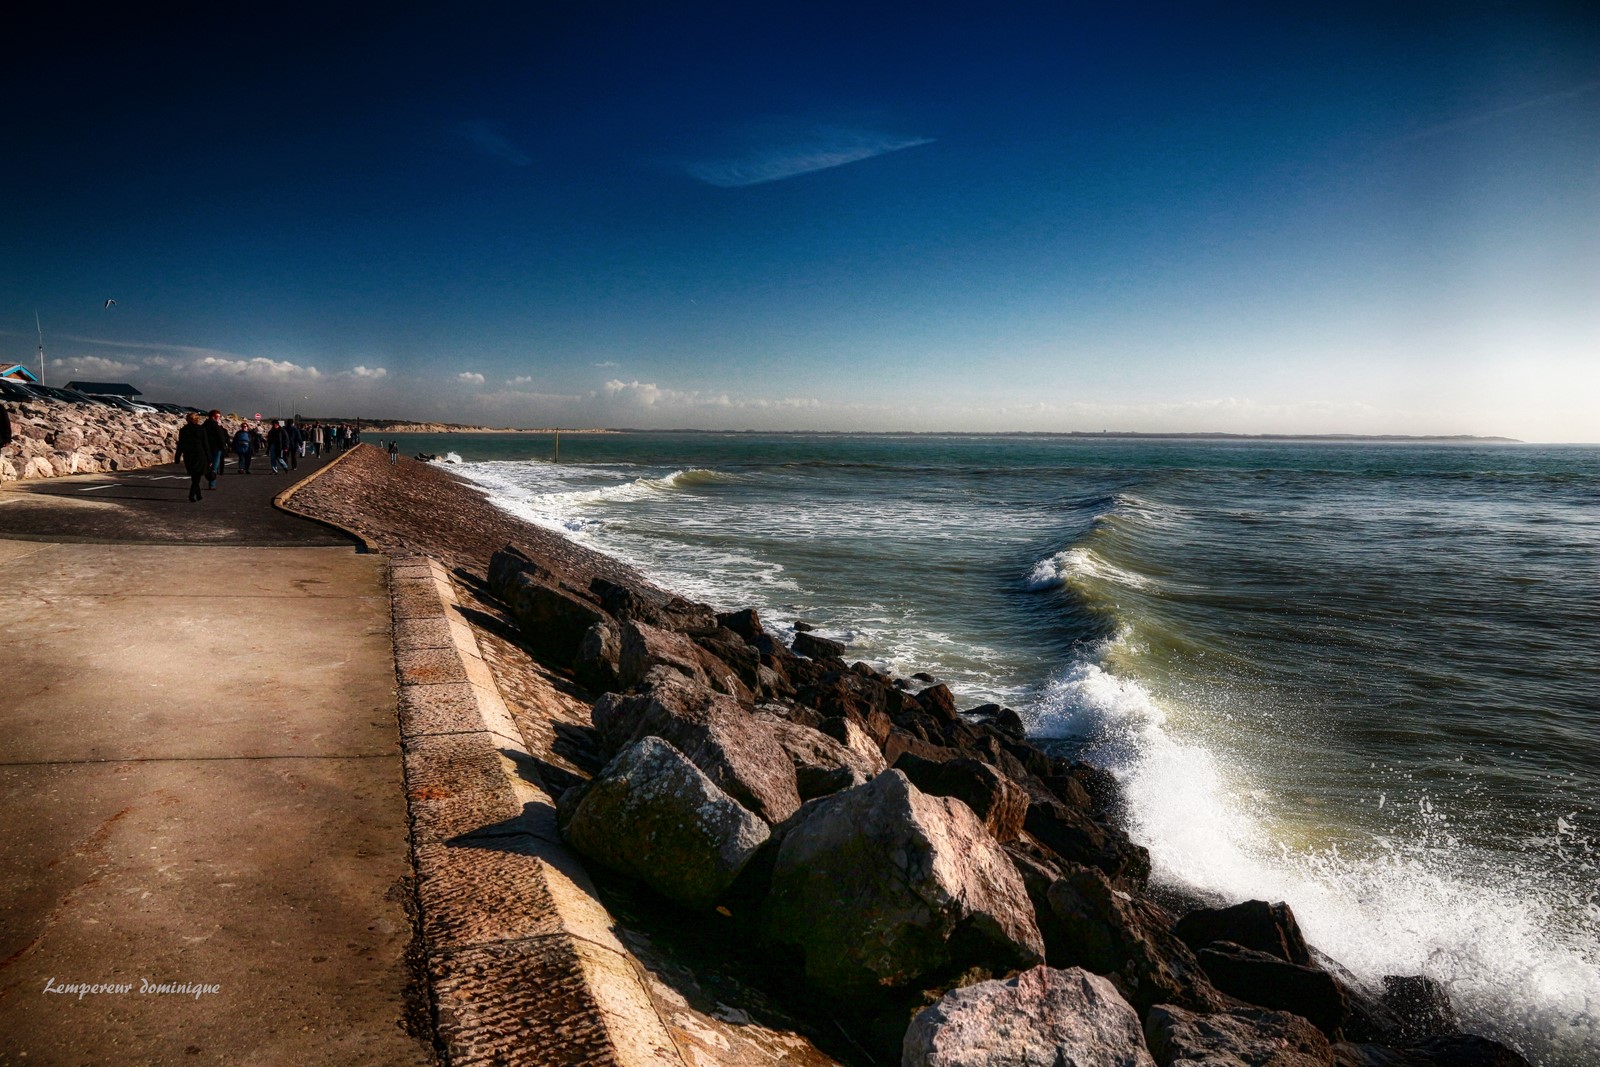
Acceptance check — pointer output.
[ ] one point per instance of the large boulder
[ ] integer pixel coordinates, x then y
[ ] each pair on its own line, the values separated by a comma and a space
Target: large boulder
1001, 718
745, 623
599, 655
645, 647
813, 647
822, 765
1421, 1005
882, 887
664, 612
1264, 979
1041, 1018
1255, 924
654, 815
852, 736
994, 798
939, 702
736, 750
870, 702
1242, 1037
553, 619
1099, 785
733, 653
1079, 838
898, 742
1126, 938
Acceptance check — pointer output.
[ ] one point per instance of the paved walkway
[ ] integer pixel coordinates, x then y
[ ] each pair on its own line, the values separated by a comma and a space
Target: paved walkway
200, 783
151, 506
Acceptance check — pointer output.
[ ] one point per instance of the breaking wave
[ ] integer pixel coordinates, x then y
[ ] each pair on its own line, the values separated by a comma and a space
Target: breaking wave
1411, 902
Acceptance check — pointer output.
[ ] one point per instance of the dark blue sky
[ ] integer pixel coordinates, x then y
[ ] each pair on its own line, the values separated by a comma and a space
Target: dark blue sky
786, 215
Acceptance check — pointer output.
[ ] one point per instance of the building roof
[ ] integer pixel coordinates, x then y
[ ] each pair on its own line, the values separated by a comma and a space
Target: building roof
19, 372
113, 388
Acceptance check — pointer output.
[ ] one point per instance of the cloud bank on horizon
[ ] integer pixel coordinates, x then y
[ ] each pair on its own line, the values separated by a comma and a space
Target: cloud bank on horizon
207, 378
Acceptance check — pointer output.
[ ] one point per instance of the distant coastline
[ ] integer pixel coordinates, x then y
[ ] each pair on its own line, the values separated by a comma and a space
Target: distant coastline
403, 426
1099, 435
398, 426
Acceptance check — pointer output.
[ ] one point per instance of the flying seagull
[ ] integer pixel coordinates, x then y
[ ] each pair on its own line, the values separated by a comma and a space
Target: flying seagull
110, 302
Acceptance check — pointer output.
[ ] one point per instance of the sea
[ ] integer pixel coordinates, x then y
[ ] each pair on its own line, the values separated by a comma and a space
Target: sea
1359, 677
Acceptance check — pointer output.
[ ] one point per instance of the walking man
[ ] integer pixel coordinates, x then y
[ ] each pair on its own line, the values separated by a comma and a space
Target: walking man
275, 447
193, 453
216, 445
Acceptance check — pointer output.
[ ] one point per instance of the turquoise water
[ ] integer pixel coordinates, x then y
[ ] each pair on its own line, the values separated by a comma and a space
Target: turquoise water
1358, 677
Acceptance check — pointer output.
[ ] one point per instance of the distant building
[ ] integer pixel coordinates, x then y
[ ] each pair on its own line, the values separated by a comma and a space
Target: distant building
18, 373
108, 388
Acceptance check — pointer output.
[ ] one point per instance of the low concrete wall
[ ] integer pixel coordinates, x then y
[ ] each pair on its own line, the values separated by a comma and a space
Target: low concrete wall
52, 438
523, 960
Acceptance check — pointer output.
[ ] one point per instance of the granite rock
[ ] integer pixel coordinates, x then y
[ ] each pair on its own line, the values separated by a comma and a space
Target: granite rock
1041, 1018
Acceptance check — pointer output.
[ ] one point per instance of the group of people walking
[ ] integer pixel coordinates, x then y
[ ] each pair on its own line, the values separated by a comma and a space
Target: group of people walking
203, 445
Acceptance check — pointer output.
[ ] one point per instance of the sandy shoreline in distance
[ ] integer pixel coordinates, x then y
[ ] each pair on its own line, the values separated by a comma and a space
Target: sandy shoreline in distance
440, 428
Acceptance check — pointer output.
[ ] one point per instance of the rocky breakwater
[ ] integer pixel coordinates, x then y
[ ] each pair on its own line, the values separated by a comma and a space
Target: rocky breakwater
919, 874
52, 438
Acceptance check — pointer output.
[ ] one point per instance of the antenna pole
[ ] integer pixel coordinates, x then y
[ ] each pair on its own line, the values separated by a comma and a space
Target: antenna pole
41, 345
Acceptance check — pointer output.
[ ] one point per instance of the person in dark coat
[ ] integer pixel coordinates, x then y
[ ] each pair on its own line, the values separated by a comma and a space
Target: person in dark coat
291, 443
193, 453
5, 427
275, 438
244, 448
217, 444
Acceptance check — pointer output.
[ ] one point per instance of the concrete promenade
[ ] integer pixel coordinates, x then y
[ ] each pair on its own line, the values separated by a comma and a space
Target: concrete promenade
200, 783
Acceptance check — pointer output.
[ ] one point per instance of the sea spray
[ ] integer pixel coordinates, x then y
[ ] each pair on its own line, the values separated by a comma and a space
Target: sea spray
1412, 902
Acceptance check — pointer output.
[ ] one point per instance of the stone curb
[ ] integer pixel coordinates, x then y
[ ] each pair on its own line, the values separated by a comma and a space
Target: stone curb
522, 963
281, 501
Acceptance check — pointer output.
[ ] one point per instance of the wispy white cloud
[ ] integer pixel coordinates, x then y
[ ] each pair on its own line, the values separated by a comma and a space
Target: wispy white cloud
486, 137
166, 348
365, 373
795, 154
521, 379
470, 377
607, 363
1478, 118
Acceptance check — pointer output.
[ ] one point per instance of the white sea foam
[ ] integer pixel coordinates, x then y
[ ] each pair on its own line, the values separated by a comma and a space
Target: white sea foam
1148, 512
1080, 562
1411, 903
558, 497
